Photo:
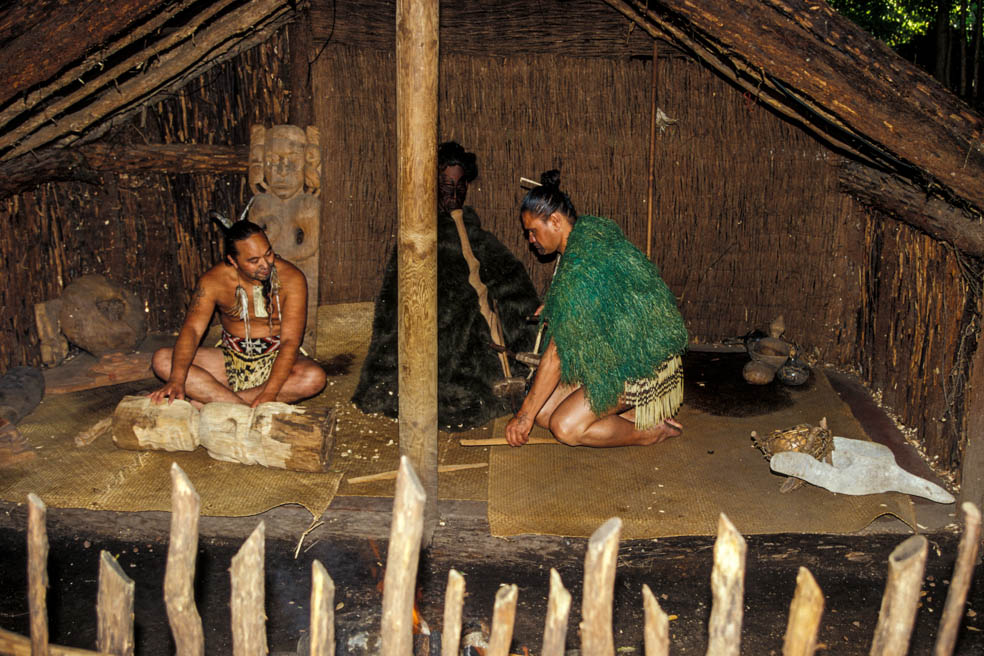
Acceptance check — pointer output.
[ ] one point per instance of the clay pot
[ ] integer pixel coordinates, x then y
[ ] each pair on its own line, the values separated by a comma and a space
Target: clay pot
758, 373
101, 316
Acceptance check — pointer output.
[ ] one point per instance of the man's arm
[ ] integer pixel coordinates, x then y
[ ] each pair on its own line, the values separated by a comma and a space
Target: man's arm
544, 383
196, 322
293, 317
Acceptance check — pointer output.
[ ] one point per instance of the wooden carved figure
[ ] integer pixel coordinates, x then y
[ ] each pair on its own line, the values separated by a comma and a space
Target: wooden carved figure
285, 176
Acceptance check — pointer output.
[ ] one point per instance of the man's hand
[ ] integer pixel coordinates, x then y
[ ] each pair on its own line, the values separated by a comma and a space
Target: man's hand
264, 396
170, 391
518, 429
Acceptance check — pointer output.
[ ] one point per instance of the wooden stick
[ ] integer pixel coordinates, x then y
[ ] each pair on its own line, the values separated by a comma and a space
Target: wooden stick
501, 441
179, 577
248, 597
805, 612
390, 475
503, 620
963, 572
650, 195
728, 590
88, 436
599, 588
114, 608
657, 628
18, 645
454, 599
558, 610
322, 611
37, 573
406, 530
901, 599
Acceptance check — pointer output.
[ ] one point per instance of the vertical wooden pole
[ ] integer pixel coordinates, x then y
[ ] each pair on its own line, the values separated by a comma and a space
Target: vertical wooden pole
804, 616
972, 462
37, 574
727, 591
599, 589
300, 112
179, 577
650, 194
248, 596
416, 135
963, 574
322, 611
454, 599
402, 556
906, 564
656, 630
503, 620
114, 608
558, 610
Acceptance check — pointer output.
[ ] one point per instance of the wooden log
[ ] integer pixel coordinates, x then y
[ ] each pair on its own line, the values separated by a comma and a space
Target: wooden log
54, 346
805, 612
402, 557
92, 433
390, 475
599, 588
18, 645
416, 136
37, 574
179, 577
503, 620
248, 597
114, 608
963, 575
656, 630
906, 564
140, 424
322, 612
555, 625
727, 590
454, 599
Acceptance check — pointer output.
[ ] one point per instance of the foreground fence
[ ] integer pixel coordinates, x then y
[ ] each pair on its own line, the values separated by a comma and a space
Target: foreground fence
906, 566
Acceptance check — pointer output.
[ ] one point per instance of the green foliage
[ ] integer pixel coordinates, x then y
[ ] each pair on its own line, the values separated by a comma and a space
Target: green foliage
896, 22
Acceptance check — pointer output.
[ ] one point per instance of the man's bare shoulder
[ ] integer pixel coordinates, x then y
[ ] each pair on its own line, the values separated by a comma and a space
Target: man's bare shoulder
288, 273
218, 277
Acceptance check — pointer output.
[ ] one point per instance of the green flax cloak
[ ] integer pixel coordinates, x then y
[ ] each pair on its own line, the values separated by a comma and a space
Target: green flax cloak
610, 314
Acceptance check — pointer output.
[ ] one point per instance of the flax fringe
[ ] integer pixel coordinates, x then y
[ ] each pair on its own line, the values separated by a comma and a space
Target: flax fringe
658, 398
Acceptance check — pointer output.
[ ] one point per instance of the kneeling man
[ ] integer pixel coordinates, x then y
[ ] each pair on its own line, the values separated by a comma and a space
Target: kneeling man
262, 303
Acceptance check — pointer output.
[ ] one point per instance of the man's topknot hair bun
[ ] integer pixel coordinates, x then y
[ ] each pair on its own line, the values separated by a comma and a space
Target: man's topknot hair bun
550, 179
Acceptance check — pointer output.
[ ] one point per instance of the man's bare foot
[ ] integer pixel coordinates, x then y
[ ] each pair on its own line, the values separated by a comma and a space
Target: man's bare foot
666, 430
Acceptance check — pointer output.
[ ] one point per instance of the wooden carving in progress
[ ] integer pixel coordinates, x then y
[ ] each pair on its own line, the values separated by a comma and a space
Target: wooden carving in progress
278, 435
285, 176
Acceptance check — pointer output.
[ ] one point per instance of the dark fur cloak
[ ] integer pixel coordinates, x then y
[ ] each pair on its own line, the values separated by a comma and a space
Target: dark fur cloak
467, 368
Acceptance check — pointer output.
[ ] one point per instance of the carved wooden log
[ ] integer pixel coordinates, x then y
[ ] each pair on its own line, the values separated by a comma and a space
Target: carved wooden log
276, 435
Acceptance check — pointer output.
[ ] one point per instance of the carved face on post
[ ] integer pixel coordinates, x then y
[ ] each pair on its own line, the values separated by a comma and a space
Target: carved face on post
283, 160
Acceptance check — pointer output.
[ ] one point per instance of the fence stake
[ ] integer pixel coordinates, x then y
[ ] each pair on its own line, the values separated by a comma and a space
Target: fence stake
248, 597
322, 611
804, 616
901, 599
503, 620
406, 529
114, 608
599, 584
454, 599
657, 627
727, 590
179, 577
558, 610
37, 573
963, 572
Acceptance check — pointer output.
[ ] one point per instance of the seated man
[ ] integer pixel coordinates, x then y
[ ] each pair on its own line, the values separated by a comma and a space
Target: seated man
262, 303
468, 368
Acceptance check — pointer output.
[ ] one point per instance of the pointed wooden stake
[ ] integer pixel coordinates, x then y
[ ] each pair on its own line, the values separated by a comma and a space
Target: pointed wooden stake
322, 611
248, 596
37, 573
805, 612
906, 564
728, 591
657, 628
558, 610
114, 608
503, 620
179, 578
599, 587
963, 574
454, 599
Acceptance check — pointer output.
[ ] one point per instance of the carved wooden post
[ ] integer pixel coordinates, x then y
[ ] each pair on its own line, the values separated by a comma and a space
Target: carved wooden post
114, 608
454, 598
963, 574
728, 591
322, 612
599, 588
657, 628
416, 135
805, 612
402, 557
37, 574
558, 610
901, 599
503, 620
179, 578
248, 597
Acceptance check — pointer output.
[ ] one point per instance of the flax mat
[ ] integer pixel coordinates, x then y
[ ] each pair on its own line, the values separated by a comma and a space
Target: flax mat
680, 487
103, 477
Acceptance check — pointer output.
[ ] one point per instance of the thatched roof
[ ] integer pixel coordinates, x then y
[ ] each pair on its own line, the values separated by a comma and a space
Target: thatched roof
72, 69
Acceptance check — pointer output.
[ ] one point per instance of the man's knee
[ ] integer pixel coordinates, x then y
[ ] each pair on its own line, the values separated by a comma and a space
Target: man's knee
161, 362
565, 430
311, 378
